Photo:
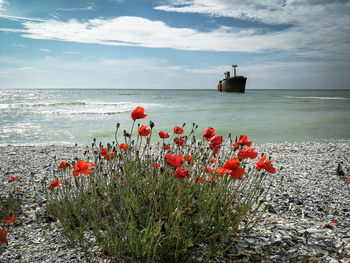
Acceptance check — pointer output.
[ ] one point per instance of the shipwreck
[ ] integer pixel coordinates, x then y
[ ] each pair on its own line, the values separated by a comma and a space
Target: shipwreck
232, 84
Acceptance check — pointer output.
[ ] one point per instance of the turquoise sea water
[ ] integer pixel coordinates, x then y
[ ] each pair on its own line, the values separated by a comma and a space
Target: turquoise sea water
66, 117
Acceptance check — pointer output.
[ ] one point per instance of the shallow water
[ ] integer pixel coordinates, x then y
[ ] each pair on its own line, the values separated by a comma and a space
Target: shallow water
66, 117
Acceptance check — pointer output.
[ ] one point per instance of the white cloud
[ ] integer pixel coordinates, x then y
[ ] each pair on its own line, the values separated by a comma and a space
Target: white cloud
270, 11
17, 18
13, 30
137, 31
2, 5
44, 50
316, 27
13, 70
19, 45
87, 8
72, 52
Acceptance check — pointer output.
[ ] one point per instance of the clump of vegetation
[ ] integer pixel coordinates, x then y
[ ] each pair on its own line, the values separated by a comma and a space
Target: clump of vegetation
172, 201
10, 206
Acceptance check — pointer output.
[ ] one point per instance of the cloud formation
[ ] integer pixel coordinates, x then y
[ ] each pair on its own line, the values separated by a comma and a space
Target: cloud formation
314, 28
2, 5
317, 27
44, 50
142, 32
270, 11
88, 8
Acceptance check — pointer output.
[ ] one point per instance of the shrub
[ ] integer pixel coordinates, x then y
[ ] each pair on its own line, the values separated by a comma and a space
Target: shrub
171, 201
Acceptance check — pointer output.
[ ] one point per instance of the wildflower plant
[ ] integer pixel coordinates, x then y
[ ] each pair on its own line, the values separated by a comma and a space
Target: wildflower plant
10, 205
171, 201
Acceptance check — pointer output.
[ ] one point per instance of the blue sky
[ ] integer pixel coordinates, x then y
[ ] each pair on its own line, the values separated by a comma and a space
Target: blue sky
174, 44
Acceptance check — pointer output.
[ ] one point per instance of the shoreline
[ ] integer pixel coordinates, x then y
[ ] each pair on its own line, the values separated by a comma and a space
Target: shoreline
310, 196
73, 145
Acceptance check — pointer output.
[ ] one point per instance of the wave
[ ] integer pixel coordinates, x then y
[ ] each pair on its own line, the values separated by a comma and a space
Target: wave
73, 103
77, 107
318, 98
41, 104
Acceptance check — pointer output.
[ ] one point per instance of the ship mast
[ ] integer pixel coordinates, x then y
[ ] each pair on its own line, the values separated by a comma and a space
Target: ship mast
234, 70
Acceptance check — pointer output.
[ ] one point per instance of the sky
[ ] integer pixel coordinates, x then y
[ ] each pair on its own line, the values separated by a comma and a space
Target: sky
178, 44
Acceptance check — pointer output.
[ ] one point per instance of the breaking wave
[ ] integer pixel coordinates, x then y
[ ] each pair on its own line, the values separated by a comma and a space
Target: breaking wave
78, 107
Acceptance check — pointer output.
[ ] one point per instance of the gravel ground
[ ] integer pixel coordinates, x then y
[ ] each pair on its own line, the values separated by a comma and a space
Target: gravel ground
311, 195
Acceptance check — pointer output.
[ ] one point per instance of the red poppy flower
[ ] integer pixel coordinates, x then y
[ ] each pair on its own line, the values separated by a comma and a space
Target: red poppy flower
212, 160
163, 135
181, 173
215, 143
3, 236
138, 113
211, 178
110, 156
104, 151
208, 133
82, 167
143, 131
247, 153
261, 164
11, 220
189, 158
328, 226
207, 170
237, 173
231, 167
180, 141
63, 165
242, 141
55, 183
166, 147
123, 146
13, 179
198, 179
156, 165
348, 181
174, 160
178, 130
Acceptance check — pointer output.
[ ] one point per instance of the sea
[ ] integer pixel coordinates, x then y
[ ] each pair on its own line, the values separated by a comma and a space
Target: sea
77, 116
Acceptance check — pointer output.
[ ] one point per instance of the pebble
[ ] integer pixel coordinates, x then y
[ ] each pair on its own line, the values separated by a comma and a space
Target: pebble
303, 197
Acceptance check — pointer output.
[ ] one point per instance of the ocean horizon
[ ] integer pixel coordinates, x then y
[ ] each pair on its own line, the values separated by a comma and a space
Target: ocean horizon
70, 116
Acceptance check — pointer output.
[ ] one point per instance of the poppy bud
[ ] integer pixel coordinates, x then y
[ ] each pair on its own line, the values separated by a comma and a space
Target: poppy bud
118, 125
151, 124
126, 134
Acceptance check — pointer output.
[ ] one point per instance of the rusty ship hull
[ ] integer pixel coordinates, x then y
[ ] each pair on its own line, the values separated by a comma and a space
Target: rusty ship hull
233, 84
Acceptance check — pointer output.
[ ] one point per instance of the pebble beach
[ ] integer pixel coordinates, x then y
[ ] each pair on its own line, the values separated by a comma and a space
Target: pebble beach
308, 218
